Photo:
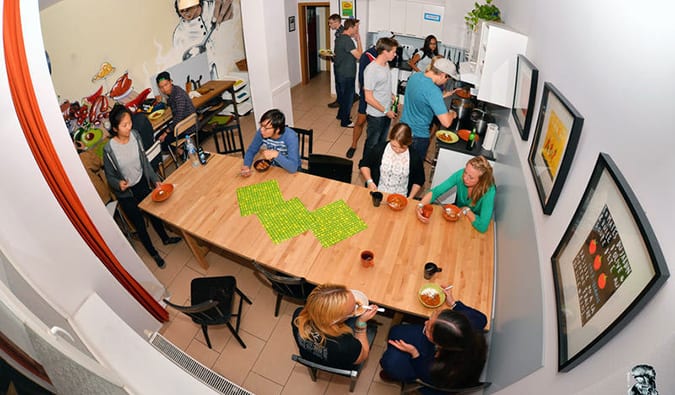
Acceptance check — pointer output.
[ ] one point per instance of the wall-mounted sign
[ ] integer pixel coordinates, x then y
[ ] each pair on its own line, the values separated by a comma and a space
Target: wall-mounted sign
428, 16
347, 9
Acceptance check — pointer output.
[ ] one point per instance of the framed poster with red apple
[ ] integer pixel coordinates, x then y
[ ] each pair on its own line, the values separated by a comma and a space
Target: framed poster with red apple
606, 267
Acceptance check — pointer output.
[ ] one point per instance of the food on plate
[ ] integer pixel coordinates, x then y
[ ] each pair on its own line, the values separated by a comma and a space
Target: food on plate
326, 52
262, 165
447, 136
451, 212
156, 115
430, 297
397, 202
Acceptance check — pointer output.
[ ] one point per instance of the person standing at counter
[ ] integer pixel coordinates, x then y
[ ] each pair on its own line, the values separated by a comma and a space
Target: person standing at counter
448, 351
130, 177
335, 23
377, 88
393, 168
423, 100
475, 193
422, 57
180, 104
280, 143
327, 331
346, 54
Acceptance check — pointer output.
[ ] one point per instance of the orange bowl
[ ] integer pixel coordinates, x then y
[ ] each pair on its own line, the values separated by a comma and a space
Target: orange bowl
451, 212
162, 193
397, 202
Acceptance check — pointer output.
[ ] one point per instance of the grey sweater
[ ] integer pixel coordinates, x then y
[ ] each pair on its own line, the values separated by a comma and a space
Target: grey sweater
114, 175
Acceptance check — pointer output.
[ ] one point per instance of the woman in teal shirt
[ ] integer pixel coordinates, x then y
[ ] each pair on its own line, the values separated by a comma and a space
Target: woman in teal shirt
475, 193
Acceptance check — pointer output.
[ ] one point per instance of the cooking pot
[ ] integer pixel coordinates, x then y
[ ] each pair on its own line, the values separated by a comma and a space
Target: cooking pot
462, 107
481, 118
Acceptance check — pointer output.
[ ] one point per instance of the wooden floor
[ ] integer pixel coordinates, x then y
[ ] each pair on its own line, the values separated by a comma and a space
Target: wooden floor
265, 367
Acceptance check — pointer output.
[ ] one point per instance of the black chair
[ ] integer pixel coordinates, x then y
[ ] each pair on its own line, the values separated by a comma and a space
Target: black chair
333, 167
409, 387
212, 302
230, 136
292, 287
305, 142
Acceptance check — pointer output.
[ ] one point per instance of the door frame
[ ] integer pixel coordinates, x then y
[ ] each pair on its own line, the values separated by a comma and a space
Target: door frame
302, 36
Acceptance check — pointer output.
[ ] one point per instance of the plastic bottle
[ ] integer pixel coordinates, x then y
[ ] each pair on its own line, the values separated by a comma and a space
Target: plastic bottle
191, 152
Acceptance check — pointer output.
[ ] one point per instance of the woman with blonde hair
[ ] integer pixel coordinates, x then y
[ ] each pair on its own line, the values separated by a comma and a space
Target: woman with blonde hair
475, 193
323, 328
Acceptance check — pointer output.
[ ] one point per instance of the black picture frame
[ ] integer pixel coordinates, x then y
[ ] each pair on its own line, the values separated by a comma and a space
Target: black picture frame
291, 24
524, 94
553, 147
606, 268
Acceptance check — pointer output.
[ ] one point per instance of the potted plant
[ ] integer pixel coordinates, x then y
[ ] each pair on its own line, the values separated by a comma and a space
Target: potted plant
486, 12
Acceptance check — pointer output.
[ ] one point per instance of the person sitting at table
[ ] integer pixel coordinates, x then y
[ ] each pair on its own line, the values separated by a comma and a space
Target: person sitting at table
393, 168
181, 107
279, 143
449, 350
475, 193
130, 177
326, 330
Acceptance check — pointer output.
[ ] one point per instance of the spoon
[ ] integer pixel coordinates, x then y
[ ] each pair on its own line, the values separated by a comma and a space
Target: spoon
379, 309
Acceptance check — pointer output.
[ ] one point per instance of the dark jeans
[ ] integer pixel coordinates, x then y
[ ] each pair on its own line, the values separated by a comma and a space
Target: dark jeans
421, 146
345, 96
130, 207
376, 132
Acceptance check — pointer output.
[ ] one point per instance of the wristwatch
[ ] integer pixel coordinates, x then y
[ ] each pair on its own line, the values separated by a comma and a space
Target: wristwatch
465, 211
420, 205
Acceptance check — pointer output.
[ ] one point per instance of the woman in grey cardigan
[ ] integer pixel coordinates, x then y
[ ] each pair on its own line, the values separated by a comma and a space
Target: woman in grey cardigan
130, 177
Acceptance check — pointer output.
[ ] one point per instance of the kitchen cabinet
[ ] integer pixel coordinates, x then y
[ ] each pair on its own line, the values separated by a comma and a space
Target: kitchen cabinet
242, 95
414, 18
492, 62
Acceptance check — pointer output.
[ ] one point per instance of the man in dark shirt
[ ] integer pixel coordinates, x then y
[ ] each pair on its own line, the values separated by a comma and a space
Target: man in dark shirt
335, 23
346, 54
180, 104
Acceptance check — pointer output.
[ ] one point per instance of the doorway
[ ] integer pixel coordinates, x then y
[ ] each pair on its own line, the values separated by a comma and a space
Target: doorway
314, 34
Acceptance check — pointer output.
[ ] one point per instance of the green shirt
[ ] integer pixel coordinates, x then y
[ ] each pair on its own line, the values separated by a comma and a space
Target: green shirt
483, 207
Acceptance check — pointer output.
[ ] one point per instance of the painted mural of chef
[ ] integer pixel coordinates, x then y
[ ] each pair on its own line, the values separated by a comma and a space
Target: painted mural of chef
198, 21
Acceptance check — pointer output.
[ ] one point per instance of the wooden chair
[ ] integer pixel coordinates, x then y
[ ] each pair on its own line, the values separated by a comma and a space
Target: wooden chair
333, 167
212, 302
305, 143
418, 384
292, 287
154, 155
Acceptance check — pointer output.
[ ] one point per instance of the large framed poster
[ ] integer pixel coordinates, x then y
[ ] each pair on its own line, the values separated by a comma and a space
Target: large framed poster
606, 267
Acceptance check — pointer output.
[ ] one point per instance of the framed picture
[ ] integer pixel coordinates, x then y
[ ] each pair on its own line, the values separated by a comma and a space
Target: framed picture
524, 95
555, 141
291, 23
347, 9
606, 267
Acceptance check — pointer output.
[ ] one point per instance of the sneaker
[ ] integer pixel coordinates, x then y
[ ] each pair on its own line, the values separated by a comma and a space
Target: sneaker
159, 260
334, 104
350, 152
385, 377
171, 240
351, 125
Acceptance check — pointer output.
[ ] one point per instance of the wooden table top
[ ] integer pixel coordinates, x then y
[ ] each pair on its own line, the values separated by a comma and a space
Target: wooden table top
204, 204
208, 90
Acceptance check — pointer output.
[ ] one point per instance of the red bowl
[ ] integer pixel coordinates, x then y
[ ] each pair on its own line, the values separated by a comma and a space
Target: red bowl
397, 202
162, 193
464, 134
451, 212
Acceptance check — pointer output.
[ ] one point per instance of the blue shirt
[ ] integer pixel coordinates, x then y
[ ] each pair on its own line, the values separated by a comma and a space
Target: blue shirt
286, 144
422, 101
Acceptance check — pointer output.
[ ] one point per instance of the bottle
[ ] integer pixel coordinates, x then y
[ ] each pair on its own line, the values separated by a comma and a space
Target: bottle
471, 140
191, 152
394, 105
202, 155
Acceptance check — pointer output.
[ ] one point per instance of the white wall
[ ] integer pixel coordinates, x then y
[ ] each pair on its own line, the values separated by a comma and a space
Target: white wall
614, 62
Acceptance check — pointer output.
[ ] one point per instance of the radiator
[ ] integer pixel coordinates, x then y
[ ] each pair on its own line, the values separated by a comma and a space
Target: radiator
196, 369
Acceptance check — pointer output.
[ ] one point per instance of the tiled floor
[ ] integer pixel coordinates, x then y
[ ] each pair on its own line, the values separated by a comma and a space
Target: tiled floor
265, 367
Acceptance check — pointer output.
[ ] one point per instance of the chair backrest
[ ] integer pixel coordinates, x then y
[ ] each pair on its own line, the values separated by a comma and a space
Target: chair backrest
314, 365
154, 151
185, 124
209, 312
333, 167
293, 287
305, 142
142, 124
230, 136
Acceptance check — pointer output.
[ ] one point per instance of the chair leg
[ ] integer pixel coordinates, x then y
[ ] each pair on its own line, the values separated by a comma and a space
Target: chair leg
206, 335
244, 297
278, 304
235, 334
352, 384
312, 373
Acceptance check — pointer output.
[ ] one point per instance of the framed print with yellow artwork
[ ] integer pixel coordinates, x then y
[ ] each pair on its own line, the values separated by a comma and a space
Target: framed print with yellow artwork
555, 141
347, 9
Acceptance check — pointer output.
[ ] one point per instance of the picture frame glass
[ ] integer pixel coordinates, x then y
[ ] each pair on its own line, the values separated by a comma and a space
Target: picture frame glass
524, 95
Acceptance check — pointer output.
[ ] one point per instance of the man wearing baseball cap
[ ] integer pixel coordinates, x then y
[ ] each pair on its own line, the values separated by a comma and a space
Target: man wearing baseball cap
423, 100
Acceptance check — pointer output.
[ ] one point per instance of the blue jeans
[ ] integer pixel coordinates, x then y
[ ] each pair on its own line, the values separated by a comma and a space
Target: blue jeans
376, 132
421, 146
345, 97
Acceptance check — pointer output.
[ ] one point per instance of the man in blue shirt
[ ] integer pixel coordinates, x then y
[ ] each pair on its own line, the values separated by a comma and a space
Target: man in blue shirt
423, 100
280, 143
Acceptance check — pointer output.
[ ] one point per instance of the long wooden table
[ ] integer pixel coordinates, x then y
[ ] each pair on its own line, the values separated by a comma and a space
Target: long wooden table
204, 207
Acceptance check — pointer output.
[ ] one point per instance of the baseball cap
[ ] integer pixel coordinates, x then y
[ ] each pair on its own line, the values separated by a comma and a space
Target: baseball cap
447, 67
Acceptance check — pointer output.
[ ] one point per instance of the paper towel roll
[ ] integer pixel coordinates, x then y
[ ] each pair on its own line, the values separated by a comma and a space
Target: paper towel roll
490, 138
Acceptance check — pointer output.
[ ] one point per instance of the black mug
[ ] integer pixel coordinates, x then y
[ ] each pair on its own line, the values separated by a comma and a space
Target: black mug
430, 269
377, 198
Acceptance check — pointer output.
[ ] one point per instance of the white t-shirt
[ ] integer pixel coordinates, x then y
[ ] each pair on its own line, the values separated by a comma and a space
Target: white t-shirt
377, 78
